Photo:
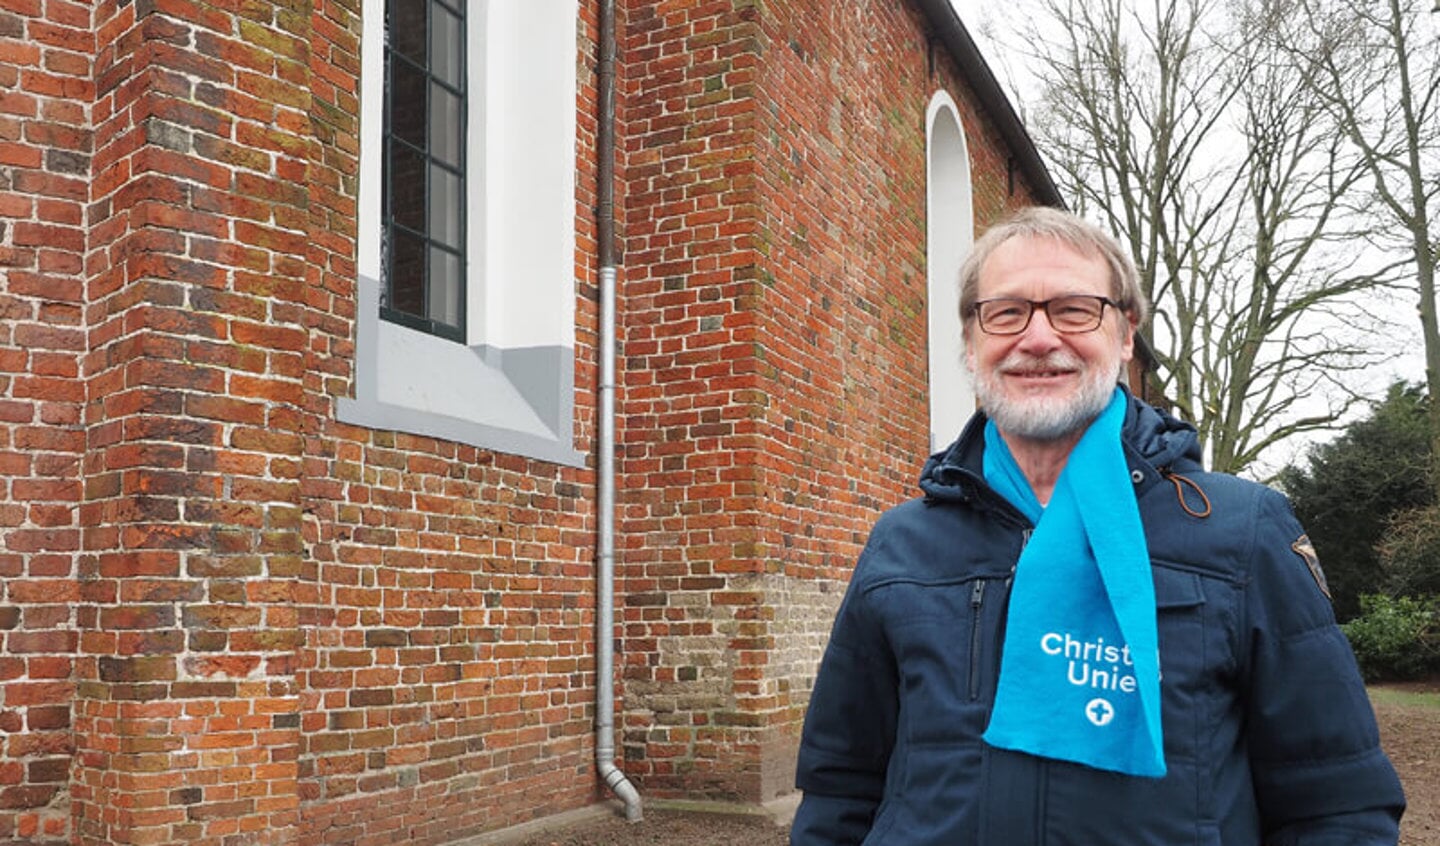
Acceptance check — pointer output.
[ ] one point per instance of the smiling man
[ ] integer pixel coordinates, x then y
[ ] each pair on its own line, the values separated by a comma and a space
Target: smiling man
1043, 381
1077, 635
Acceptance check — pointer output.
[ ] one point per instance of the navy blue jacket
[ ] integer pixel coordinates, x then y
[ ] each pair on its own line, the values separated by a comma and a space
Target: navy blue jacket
1269, 734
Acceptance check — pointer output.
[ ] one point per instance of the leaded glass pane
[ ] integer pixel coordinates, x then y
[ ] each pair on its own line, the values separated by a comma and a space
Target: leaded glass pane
424, 166
407, 186
445, 207
447, 42
447, 129
407, 104
406, 22
445, 287
407, 273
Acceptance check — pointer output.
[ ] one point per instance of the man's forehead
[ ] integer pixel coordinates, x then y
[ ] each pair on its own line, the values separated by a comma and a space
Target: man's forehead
1028, 252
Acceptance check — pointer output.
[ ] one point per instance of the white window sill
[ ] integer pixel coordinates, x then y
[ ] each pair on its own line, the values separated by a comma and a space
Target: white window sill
513, 401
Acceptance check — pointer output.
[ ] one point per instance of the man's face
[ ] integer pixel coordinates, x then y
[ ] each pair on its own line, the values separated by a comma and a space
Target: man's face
1042, 385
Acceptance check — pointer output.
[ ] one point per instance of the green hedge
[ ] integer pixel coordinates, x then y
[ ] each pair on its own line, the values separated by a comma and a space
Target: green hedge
1396, 638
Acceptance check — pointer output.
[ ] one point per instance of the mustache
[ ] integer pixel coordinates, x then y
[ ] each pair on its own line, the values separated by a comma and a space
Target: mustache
1018, 362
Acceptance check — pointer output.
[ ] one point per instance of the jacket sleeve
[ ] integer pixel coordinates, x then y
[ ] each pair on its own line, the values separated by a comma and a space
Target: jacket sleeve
1321, 778
849, 728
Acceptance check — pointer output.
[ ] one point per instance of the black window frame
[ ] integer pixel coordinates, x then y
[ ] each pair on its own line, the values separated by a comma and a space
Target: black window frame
390, 139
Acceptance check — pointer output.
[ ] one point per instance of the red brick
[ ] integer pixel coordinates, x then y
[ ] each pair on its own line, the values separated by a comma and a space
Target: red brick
183, 251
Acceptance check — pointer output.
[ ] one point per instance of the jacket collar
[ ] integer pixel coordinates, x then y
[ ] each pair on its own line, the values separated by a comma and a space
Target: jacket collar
1154, 441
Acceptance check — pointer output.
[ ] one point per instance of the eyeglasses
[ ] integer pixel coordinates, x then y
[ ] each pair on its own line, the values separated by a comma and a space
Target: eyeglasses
1072, 314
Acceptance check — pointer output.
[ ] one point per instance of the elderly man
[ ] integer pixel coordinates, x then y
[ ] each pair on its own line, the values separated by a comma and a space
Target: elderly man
1079, 636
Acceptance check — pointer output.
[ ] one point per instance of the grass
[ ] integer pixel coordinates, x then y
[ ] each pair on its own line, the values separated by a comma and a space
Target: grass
1407, 698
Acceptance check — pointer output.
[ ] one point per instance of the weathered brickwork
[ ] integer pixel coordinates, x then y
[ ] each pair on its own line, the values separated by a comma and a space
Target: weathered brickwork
227, 618
447, 677
45, 148
186, 714
775, 356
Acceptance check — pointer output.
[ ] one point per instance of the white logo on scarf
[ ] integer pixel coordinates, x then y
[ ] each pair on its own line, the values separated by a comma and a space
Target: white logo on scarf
1093, 663
1099, 711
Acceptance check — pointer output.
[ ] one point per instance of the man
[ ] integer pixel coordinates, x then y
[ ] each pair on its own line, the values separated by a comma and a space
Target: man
1078, 636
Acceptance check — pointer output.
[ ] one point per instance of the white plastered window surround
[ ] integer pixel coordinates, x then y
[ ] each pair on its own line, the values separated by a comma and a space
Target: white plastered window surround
510, 387
950, 233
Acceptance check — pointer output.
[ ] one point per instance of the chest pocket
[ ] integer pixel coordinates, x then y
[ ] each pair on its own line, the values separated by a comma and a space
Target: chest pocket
1191, 653
1177, 589
943, 636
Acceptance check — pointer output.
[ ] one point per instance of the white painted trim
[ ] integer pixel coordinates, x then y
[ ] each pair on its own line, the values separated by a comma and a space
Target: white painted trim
950, 232
511, 387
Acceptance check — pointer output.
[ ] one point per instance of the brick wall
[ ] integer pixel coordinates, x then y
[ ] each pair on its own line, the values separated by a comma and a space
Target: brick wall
447, 675
226, 618
774, 385
187, 721
45, 146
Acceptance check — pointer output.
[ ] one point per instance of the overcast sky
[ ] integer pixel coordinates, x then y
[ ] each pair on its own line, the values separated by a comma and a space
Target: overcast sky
979, 18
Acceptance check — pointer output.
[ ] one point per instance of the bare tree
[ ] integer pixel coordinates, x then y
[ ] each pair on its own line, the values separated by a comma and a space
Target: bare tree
1374, 67
1172, 124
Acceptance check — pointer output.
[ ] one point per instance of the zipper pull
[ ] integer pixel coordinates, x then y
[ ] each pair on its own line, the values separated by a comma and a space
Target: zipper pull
977, 594
1024, 542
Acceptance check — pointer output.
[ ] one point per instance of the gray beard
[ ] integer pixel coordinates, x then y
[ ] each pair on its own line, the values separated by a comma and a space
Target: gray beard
1045, 418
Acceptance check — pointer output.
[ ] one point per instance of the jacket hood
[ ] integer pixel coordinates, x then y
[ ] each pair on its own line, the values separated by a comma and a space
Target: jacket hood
1151, 435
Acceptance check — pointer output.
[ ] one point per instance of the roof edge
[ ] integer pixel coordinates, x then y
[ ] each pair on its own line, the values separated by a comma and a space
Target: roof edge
956, 38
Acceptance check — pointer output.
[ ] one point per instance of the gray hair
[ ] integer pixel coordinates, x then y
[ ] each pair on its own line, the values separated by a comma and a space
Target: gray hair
1045, 222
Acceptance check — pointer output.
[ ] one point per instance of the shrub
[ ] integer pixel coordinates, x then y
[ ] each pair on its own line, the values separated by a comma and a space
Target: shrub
1396, 638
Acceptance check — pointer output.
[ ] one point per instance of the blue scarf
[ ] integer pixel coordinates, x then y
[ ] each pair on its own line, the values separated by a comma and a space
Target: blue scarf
1080, 674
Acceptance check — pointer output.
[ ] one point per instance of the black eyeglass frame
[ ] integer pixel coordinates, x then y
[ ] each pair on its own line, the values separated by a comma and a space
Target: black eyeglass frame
1039, 305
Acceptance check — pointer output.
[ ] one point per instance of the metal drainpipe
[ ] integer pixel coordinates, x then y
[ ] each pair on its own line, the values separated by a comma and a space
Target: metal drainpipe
605, 601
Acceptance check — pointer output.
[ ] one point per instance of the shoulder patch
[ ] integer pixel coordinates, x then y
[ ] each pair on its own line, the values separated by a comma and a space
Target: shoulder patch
1306, 550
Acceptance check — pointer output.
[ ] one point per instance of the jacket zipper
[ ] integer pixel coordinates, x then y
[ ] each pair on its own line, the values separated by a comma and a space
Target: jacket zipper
976, 596
977, 599
1024, 542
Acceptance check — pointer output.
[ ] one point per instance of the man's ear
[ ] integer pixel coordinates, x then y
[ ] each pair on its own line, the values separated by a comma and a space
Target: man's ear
1127, 343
